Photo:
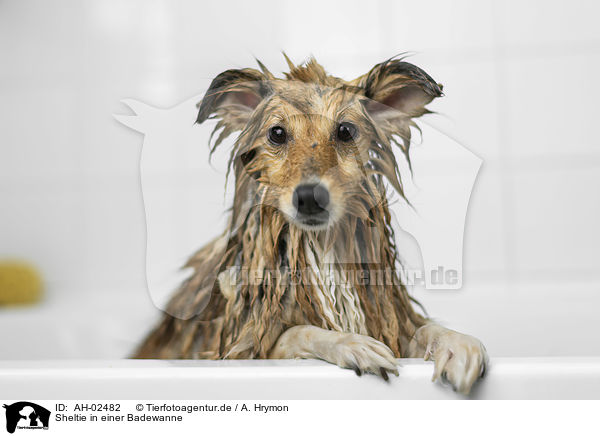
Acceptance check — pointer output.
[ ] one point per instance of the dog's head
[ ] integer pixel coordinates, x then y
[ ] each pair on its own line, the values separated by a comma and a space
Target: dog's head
314, 143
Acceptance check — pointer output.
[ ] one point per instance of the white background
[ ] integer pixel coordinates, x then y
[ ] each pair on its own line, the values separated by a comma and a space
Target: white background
520, 80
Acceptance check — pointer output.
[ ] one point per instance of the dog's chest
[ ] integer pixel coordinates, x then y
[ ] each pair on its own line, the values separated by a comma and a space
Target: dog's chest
334, 290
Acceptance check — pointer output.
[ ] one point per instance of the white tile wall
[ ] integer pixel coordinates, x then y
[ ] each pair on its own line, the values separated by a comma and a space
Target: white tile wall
559, 24
468, 111
455, 27
550, 105
336, 28
520, 93
556, 214
485, 230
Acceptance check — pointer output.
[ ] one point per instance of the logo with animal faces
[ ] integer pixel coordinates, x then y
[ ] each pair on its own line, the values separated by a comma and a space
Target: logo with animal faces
24, 415
425, 184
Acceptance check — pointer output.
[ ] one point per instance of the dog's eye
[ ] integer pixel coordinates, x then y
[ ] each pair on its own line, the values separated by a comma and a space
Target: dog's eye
346, 132
277, 135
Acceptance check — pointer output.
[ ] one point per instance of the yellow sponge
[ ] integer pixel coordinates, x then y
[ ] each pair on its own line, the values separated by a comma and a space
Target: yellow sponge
20, 283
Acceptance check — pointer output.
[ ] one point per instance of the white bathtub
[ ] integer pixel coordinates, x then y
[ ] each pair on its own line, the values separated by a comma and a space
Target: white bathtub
507, 378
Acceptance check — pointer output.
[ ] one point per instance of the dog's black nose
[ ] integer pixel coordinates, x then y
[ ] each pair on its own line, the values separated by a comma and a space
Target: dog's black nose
310, 199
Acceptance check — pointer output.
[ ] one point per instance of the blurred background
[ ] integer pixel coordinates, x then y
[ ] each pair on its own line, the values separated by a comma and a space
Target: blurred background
521, 93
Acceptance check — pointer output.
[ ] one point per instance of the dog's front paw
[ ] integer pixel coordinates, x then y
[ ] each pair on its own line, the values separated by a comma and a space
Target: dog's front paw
363, 354
459, 359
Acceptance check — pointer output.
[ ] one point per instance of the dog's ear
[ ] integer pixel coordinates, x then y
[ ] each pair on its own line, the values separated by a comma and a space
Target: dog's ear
397, 90
232, 96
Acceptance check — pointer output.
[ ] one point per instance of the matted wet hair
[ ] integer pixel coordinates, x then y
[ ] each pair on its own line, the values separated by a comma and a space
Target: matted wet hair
264, 274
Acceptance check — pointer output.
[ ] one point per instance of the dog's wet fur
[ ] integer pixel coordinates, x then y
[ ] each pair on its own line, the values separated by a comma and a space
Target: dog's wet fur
307, 266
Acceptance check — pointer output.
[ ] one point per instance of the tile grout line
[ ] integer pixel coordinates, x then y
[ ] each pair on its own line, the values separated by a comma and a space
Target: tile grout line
507, 188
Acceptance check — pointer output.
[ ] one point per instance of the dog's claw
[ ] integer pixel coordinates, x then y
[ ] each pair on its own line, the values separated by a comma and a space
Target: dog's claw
427, 355
363, 354
384, 374
440, 364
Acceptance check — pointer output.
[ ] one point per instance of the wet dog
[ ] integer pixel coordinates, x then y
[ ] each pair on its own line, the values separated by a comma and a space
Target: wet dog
308, 266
